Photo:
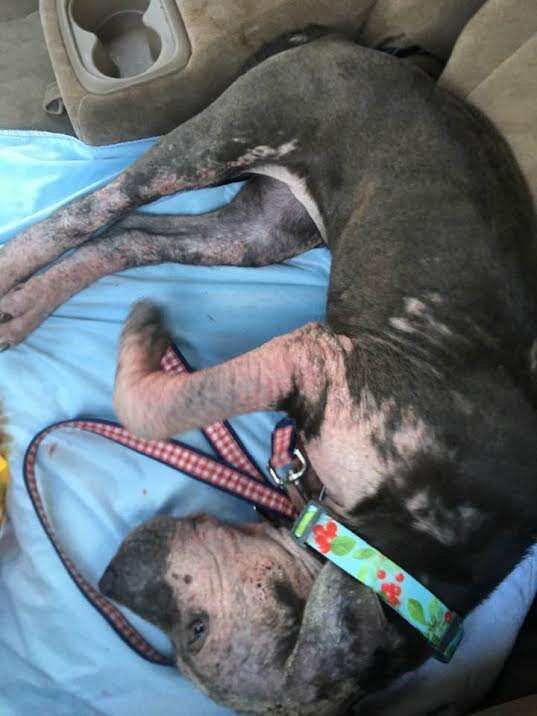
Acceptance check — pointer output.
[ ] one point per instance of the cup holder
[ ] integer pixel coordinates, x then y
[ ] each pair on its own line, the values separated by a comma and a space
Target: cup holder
125, 47
110, 42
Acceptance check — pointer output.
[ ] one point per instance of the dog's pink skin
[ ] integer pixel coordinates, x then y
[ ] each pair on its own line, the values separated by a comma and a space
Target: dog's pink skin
233, 574
234, 235
72, 225
92, 261
67, 228
156, 405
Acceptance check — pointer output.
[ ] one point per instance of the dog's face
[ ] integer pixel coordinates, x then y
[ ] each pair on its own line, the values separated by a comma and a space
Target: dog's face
257, 622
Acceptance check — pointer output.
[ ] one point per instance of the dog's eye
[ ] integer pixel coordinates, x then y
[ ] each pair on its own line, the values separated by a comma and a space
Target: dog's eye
197, 631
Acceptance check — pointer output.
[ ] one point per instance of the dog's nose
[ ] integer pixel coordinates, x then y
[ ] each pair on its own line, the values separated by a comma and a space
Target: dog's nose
131, 576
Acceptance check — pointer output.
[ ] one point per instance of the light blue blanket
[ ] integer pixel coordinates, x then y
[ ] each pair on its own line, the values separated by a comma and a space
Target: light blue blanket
57, 655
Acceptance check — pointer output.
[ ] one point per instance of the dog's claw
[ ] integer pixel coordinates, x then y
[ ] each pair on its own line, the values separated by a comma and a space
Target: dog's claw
4, 347
5, 317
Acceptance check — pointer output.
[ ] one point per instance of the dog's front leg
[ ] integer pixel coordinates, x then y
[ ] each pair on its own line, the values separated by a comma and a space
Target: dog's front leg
156, 405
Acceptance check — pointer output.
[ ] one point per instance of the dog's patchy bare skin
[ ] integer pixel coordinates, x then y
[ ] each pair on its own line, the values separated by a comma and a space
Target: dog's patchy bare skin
264, 224
298, 364
213, 587
416, 400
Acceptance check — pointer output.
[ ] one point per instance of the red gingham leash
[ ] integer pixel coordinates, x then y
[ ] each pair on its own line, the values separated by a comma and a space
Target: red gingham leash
233, 471
283, 443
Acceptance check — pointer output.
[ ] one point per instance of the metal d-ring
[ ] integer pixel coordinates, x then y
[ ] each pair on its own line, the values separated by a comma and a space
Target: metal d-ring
294, 475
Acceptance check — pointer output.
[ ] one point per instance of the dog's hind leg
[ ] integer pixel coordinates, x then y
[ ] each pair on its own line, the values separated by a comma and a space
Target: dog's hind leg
264, 224
241, 130
294, 369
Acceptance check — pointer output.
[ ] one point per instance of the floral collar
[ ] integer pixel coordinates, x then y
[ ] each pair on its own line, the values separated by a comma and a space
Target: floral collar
415, 603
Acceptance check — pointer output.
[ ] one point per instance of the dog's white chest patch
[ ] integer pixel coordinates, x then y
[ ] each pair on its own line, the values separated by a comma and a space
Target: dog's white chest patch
298, 188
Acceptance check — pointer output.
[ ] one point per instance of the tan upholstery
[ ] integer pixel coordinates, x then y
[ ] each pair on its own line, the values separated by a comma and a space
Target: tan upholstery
222, 34
432, 24
12, 9
494, 34
25, 73
494, 66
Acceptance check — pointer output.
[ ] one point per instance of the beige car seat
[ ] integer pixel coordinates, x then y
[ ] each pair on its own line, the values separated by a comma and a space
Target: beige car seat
25, 70
494, 66
431, 24
133, 68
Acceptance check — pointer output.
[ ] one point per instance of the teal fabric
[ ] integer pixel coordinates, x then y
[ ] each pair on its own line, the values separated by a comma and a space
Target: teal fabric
57, 655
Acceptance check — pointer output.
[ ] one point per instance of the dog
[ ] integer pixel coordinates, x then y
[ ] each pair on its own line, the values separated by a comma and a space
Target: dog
415, 400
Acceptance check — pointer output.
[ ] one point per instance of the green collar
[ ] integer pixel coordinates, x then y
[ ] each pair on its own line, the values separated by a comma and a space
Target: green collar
439, 625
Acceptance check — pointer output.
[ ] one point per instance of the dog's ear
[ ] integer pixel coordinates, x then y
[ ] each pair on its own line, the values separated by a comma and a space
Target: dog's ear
345, 642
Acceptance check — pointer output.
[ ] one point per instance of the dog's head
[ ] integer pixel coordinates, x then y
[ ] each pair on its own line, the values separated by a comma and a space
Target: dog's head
256, 621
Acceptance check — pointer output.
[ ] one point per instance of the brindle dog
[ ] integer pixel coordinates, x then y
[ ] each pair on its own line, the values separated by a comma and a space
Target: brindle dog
416, 398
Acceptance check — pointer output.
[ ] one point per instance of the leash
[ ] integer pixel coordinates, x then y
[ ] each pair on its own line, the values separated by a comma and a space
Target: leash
233, 471
236, 472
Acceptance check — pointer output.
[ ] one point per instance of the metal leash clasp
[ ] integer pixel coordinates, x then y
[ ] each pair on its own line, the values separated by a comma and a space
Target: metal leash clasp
293, 474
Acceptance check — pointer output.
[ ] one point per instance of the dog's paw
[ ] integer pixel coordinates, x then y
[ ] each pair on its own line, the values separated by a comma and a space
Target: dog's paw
144, 338
140, 383
22, 310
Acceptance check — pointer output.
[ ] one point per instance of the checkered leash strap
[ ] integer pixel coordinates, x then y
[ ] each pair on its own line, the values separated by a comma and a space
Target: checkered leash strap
283, 443
233, 471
